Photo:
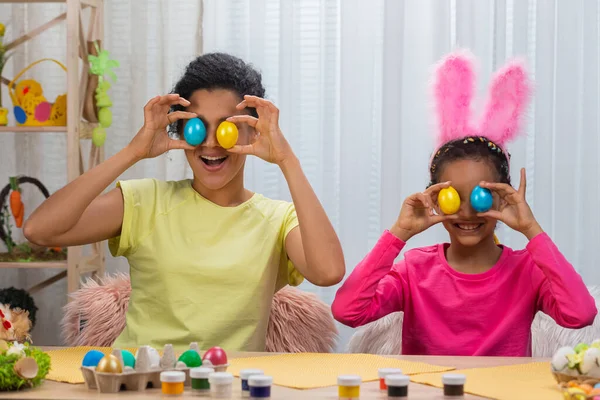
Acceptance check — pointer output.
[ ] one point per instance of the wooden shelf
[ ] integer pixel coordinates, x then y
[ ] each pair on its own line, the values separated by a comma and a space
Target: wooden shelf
78, 46
15, 129
39, 264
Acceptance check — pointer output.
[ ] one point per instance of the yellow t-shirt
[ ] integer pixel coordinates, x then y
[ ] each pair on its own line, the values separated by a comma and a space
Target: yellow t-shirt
200, 272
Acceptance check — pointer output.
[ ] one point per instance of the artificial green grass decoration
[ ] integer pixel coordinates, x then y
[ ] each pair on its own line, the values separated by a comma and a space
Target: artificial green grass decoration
9, 379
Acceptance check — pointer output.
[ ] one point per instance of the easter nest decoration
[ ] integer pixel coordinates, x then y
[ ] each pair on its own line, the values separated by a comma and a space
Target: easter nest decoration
13, 210
577, 370
22, 366
30, 106
97, 109
121, 370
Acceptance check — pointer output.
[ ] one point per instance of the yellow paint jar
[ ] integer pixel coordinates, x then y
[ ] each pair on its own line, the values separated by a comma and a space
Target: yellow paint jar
349, 387
172, 382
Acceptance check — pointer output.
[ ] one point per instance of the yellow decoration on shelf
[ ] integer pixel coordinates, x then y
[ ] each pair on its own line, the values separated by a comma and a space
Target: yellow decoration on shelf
30, 105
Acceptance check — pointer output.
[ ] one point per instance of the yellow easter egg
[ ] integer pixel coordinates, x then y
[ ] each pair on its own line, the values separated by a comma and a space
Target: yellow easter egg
109, 364
449, 200
227, 134
576, 393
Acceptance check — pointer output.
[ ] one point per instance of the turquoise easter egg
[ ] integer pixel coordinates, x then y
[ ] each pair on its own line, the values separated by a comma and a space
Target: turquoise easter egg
92, 358
194, 131
128, 358
481, 199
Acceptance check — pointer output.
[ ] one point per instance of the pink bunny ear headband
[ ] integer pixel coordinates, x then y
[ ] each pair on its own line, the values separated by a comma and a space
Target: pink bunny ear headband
507, 101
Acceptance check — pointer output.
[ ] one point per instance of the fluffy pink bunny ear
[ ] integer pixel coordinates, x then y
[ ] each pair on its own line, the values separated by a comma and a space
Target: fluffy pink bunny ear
453, 91
508, 98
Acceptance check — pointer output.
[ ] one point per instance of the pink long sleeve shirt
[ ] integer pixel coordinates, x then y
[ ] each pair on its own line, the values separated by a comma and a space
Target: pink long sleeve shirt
447, 312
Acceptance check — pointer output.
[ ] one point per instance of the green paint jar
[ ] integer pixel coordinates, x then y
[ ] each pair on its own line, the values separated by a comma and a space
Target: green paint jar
200, 384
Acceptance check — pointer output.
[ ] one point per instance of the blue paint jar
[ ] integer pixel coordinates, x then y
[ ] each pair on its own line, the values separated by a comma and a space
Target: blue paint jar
260, 386
245, 374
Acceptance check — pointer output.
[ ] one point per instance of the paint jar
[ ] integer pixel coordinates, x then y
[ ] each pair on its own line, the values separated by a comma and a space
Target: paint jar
383, 372
397, 386
200, 384
245, 374
221, 384
172, 382
260, 386
349, 387
454, 385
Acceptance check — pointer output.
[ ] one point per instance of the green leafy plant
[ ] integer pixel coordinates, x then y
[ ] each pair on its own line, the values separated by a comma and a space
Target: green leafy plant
9, 380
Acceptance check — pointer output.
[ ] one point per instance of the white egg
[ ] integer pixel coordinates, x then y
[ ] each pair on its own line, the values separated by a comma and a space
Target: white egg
16, 350
590, 361
559, 360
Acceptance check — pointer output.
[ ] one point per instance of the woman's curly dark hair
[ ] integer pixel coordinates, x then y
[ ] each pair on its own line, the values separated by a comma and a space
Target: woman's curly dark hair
470, 148
217, 71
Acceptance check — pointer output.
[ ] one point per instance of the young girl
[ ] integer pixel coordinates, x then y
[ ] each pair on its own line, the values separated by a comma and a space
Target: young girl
206, 255
470, 297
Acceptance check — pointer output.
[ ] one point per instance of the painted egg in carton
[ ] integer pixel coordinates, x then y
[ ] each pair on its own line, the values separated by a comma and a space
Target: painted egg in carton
114, 372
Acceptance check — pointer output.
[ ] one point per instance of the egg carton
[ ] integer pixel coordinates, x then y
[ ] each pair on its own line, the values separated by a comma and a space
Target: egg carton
145, 375
106, 382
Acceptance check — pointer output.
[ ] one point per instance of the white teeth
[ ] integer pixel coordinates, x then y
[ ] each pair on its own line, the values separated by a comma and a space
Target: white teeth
468, 227
213, 158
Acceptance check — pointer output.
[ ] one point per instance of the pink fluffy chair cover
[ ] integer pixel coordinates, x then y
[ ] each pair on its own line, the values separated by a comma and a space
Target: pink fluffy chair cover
299, 321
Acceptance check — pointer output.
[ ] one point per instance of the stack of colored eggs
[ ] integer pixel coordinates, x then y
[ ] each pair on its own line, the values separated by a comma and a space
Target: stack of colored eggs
582, 391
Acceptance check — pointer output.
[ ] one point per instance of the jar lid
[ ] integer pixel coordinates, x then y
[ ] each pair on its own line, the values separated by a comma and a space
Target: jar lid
246, 373
172, 376
260, 381
454, 379
220, 377
383, 372
397, 380
349, 380
201, 372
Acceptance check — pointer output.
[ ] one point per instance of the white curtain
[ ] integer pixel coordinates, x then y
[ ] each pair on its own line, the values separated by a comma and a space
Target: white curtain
351, 80
153, 40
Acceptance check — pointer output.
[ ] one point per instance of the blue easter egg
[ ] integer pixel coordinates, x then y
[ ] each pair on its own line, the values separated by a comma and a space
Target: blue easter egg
481, 199
194, 131
20, 115
92, 358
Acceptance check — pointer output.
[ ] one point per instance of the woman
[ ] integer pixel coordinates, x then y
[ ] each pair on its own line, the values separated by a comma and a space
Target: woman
206, 255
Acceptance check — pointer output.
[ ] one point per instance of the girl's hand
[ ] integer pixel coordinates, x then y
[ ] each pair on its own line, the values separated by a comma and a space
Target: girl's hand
270, 144
152, 139
419, 212
514, 210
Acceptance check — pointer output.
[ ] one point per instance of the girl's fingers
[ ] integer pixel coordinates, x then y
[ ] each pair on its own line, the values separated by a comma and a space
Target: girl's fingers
436, 219
248, 119
502, 189
433, 189
523, 183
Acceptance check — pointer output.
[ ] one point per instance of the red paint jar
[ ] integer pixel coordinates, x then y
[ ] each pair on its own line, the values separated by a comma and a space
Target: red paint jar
383, 372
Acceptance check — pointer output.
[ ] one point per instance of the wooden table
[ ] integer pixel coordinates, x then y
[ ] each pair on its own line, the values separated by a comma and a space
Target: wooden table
369, 390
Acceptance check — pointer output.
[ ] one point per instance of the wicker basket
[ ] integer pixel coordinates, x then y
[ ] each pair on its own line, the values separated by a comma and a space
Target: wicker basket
564, 379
